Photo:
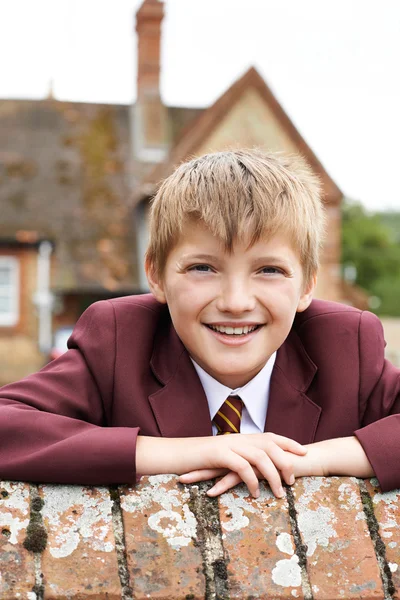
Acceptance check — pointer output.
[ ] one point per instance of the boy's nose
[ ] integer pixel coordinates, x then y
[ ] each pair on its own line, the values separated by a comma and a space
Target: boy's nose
236, 297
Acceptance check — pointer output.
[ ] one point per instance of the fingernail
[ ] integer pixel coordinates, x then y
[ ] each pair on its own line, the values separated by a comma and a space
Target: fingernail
211, 491
291, 480
257, 494
281, 493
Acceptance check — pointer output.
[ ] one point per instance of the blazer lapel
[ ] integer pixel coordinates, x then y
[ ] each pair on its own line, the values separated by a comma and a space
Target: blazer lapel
180, 407
290, 412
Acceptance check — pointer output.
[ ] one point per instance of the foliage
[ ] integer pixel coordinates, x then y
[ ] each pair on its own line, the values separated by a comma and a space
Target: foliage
371, 243
392, 220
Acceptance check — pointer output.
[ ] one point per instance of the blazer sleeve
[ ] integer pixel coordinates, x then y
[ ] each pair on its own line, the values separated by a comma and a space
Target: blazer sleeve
53, 424
379, 402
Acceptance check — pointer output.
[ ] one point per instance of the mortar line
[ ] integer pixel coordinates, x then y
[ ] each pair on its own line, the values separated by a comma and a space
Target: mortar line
39, 587
120, 547
35, 499
301, 548
389, 589
209, 540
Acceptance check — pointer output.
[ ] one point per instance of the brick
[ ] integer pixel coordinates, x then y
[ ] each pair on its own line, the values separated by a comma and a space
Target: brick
259, 545
80, 559
387, 511
19, 357
160, 532
17, 571
341, 561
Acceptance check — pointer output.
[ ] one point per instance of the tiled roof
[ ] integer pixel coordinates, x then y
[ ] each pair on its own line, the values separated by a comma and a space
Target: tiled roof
65, 175
200, 129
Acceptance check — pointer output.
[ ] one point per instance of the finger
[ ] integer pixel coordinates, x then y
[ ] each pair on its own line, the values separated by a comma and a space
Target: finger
289, 445
283, 462
238, 463
201, 475
223, 485
229, 481
259, 459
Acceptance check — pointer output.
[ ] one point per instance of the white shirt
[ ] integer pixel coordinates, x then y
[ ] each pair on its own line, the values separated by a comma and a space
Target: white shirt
255, 396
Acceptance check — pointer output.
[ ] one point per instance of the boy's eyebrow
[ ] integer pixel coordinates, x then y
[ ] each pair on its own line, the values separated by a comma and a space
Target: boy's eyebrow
260, 260
205, 257
273, 259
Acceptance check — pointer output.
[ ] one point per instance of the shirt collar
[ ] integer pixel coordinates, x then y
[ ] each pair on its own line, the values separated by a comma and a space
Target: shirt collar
254, 394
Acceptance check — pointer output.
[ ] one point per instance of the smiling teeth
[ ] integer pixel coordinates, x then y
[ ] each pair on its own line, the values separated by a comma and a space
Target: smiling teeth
233, 330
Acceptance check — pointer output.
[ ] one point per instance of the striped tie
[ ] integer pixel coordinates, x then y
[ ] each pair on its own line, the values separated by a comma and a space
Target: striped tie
229, 416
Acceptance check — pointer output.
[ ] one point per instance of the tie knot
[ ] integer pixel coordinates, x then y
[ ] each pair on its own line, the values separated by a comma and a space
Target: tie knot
229, 416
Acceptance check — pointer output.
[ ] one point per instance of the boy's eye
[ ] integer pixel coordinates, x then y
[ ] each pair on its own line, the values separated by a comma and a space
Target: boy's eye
201, 268
271, 270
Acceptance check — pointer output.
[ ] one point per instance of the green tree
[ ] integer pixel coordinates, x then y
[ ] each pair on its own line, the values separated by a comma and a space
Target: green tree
371, 244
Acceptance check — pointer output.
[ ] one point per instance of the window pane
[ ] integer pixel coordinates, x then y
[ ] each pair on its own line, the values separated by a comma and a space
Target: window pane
9, 291
5, 275
5, 305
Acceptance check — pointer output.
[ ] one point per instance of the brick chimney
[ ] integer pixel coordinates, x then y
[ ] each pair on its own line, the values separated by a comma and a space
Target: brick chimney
149, 114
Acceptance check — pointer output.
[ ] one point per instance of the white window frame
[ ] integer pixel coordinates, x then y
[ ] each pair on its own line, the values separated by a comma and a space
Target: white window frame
12, 317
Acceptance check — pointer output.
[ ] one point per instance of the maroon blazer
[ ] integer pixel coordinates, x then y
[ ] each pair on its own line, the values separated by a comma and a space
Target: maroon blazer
76, 421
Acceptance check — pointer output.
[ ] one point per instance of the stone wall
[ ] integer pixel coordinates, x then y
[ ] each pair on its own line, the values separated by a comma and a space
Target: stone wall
329, 538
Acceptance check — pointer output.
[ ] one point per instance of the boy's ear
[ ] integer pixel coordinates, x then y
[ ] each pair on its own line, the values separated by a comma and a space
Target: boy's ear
155, 282
307, 295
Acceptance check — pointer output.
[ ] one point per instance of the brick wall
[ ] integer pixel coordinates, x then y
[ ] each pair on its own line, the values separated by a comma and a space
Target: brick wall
329, 538
19, 356
329, 283
19, 353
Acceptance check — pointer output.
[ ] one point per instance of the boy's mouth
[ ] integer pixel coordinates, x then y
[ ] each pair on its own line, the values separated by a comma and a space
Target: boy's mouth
236, 331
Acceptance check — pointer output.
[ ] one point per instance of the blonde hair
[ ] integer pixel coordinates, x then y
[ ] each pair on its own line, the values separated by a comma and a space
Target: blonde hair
240, 195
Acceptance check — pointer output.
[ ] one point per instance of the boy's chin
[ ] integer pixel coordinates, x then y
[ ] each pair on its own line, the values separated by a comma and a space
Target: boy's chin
235, 377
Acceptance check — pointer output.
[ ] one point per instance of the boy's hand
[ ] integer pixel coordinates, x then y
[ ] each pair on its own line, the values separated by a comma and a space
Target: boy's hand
304, 464
309, 462
269, 454
340, 456
229, 479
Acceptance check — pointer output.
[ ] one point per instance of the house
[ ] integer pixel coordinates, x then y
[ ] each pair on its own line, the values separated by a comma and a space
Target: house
63, 183
75, 184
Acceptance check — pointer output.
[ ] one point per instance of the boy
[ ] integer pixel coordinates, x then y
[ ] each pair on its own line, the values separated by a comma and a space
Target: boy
230, 340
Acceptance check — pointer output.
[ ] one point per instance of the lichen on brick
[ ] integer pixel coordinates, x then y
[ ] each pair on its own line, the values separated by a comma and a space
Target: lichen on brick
316, 527
14, 502
239, 502
287, 572
175, 520
284, 543
91, 524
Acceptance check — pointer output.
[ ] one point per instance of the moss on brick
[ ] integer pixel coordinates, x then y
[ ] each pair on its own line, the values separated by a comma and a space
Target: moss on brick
380, 548
36, 534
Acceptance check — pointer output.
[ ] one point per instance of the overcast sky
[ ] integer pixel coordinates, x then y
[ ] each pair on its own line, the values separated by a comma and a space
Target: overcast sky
333, 64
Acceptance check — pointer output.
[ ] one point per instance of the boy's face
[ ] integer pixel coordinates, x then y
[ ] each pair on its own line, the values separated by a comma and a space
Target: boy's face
209, 292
